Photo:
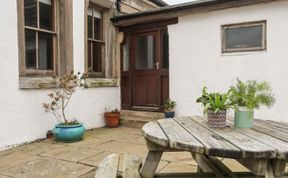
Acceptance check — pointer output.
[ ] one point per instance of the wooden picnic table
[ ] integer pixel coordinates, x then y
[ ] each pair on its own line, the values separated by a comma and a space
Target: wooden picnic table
262, 149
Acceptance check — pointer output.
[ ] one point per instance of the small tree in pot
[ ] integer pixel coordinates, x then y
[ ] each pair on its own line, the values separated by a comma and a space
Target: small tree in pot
247, 96
169, 107
215, 106
67, 130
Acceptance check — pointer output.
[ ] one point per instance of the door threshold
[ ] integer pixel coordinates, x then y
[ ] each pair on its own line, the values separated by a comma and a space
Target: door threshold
145, 108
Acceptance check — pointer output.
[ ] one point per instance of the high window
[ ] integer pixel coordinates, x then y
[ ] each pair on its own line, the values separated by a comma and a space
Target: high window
244, 37
95, 41
40, 36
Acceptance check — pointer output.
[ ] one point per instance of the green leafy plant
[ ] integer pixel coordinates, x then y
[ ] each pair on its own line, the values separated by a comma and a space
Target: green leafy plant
169, 105
114, 110
214, 101
251, 94
60, 96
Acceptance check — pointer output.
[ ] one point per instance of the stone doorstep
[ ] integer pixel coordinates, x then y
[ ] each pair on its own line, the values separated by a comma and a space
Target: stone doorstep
145, 114
136, 119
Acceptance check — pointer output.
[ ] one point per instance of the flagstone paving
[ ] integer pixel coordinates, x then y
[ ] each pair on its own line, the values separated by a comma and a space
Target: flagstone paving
47, 159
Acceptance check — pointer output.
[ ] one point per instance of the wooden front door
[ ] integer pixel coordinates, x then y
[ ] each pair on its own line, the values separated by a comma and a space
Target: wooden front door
144, 86
145, 77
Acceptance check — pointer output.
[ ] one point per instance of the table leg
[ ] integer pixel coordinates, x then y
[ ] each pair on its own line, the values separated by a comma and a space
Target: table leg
151, 163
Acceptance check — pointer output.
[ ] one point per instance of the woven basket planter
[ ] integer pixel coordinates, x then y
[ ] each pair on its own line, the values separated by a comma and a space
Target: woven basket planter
216, 120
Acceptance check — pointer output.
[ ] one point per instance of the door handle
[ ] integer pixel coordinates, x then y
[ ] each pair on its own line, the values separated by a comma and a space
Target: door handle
157, 65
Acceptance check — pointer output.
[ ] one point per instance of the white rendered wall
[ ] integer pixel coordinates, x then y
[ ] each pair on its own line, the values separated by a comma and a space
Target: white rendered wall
196, 59
21, 115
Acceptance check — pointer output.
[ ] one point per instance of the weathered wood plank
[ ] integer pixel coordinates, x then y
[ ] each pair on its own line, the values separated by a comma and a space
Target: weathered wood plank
278, 167
274, 125
108, 167
222, 167
153, 132
280, 146
271, 131
151, 163
179, 138
250, 147
131, 166
214, 144
256, 166
206, 165
204, 175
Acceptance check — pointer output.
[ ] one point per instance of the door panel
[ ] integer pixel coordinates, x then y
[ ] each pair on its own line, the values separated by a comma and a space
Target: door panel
146, 90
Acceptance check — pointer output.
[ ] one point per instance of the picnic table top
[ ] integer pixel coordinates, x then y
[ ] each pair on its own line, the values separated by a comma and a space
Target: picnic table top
266, 140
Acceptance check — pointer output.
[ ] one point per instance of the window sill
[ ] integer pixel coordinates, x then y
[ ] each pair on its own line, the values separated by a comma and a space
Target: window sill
244, 53
35, 83
101, 82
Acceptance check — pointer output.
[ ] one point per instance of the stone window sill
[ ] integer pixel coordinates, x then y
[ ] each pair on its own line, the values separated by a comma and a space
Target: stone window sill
101, 82
46, 82
35, 83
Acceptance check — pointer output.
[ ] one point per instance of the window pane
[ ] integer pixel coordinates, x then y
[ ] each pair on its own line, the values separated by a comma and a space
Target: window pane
45, 13
244, 37
125, 55
45, 51
30, 49
90, 54
97, 28
30, 8
165, 50
97, 57
90, 24
144, 52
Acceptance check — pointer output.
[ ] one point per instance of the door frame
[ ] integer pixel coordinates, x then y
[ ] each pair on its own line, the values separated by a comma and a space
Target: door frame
126, 79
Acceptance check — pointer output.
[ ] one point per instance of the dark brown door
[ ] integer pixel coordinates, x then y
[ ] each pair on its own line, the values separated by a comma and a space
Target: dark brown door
144, 74
145, 77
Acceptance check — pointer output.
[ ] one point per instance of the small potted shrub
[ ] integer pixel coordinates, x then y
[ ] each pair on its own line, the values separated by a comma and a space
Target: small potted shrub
169, 107
215, 107
112, 117
67, 130
247, 96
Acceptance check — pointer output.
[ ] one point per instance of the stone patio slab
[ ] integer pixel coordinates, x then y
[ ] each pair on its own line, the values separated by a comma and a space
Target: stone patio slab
15, 158
48, 168
72, 153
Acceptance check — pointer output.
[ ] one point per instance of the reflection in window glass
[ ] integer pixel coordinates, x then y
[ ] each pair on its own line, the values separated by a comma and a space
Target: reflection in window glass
30, 11
45, 51
244, 37
165, 50
144, 52
30, 49
97, 57
45, 13
90, 23
125, 55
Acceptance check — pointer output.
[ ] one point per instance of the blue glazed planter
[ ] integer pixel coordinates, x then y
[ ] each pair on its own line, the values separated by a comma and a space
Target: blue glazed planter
68, 133
169, 114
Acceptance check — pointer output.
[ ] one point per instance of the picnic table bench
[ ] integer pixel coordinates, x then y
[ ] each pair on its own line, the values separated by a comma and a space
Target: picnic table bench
262, 149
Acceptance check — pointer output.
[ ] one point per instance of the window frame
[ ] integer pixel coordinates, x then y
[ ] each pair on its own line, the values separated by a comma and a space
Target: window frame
102, 41
263, 46
54, 32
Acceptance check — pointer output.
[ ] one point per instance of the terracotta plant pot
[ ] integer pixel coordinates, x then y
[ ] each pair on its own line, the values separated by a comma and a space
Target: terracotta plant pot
112, 119
216, 120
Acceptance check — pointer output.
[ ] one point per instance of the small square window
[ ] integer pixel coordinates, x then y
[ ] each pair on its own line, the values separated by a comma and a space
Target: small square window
244, 37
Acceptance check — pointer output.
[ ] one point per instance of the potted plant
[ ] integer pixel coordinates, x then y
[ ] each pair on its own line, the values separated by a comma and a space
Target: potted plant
67, 130
112, 117
215, 106
247, 96
169, 107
